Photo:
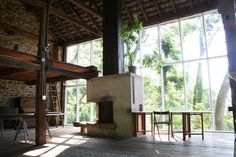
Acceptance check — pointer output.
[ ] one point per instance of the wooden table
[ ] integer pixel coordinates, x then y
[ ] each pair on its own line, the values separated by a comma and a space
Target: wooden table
139, 122
22, 123
186, 122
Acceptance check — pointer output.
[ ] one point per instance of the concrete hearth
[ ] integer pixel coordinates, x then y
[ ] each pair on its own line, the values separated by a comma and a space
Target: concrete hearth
126, 93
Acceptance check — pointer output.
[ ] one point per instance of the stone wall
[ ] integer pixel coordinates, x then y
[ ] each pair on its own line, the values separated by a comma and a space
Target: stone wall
17, 25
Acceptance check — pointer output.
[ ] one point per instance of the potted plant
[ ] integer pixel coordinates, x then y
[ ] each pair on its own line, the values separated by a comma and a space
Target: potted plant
130, 35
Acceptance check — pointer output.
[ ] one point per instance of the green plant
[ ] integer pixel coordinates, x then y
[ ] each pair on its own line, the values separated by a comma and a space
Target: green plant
130, 35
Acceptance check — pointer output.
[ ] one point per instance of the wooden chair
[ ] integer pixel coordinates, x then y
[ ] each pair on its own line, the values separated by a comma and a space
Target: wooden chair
7, 110
163, 118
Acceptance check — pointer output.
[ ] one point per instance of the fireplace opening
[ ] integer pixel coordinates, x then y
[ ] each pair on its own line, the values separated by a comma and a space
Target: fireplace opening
105, 112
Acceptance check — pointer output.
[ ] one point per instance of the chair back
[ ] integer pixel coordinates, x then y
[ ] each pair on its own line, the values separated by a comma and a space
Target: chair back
162, 117
8, 110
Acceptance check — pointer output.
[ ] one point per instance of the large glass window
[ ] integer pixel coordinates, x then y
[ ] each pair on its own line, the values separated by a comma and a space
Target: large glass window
188, 72
76, 107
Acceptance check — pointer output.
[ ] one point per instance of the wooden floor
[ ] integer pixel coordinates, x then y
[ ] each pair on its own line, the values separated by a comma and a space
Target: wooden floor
69, 142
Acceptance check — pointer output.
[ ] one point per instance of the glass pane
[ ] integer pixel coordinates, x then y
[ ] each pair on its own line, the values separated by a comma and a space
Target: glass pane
71, 54
84, 54
173, 87
197, 86
149, 41
215, 34
220, 91
71, 82
85, 108
70, 106
97, 55
193, 38
170, 42
152, 90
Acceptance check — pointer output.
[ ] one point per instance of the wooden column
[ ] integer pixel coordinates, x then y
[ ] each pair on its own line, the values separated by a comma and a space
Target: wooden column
227, 11
113, 50
41, 102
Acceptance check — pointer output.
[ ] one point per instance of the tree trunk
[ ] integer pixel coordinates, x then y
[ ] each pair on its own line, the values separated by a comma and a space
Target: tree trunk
220, 104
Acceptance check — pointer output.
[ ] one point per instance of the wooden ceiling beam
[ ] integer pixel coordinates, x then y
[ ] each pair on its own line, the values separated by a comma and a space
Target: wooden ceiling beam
61, 14
173, 5
13, 72
181, 13
56, 30
76, 13
142, 10
157, 7
79, 4
16, 63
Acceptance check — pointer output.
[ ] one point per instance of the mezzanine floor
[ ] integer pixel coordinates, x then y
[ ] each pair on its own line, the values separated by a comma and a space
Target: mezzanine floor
69, 142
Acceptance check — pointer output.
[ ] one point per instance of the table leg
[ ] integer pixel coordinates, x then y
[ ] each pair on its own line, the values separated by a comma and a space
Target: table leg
47, 126
189, 124
135, 119
184, 125
152, 127
143, 123
202, 126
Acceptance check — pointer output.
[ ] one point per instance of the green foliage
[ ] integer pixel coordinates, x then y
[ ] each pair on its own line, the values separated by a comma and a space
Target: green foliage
130, 35
154, 62
168, 48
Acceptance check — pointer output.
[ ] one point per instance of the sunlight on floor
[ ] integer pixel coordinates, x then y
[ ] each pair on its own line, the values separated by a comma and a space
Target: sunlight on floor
56, 146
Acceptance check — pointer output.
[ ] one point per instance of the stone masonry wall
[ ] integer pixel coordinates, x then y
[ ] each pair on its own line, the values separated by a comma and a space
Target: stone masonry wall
13, 14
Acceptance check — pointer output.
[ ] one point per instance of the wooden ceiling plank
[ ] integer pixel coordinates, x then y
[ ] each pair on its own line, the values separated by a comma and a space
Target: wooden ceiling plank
61, 14
56, 30
126, 10
173, 5
77, 31
79, 4
141, 7
181, 13
157, 7
94, 23
76, 13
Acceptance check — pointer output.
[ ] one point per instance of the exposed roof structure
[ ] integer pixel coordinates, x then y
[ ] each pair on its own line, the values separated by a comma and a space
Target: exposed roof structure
74, 21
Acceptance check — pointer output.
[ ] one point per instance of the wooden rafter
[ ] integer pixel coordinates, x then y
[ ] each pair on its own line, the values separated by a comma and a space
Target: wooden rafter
141, 7
61, 14
94, 23
157, 7
173, 5
56, 30
77, 31
181, 13
75, 12
126, 9
95, 5
79, 4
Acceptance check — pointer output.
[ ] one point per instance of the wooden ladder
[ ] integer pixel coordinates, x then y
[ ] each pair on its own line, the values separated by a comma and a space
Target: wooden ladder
55, 102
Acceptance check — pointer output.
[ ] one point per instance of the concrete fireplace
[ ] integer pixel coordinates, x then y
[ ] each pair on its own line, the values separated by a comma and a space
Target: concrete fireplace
116, 97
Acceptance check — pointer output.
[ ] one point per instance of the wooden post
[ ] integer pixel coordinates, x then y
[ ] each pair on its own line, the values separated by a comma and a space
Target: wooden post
227, 11
113, 50
41, 103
